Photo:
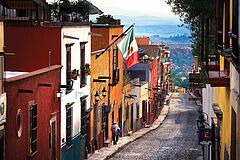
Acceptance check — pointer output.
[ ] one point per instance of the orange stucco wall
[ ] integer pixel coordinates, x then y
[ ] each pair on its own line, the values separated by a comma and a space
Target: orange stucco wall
102, 66
143, 41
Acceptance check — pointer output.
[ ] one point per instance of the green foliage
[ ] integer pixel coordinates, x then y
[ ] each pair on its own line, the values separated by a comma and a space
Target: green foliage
61, 10
191, 13
106, 19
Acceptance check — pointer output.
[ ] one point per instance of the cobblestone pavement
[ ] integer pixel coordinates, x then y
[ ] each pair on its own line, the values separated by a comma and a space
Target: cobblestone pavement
175, 139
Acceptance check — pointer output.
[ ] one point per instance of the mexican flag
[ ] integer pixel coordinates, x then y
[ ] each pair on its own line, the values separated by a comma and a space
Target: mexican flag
129, 48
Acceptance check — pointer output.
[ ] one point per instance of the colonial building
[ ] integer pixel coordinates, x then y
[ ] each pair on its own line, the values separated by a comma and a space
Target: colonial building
3, 106
107, 71
220, 95
33, 116
48, 43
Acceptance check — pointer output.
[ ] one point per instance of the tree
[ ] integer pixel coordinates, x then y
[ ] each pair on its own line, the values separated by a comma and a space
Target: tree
66, 10
198, 17
106, 19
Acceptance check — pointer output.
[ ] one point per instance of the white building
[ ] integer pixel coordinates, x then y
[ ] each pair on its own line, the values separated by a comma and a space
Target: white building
75, 89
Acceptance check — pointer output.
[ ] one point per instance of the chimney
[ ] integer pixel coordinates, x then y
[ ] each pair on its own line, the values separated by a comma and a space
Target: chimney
195, 64
118, 21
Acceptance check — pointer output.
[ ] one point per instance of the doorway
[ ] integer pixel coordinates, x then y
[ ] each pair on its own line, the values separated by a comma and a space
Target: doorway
120, 118
144, 112
2, 148
233, 135
53, 136
131, 123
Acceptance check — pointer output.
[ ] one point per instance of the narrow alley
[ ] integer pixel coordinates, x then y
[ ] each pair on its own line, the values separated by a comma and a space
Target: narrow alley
176, 138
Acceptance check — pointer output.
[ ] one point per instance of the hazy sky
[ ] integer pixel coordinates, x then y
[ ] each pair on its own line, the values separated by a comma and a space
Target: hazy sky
156, 8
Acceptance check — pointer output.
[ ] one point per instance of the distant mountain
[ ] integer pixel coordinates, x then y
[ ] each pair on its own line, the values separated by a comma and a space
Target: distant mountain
146, 20
141, 20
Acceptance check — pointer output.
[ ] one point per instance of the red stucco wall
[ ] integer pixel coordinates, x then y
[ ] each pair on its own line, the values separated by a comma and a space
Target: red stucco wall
154, 79
31, 46
47, 103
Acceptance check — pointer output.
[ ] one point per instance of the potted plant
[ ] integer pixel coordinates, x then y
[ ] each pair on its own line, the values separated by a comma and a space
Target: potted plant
87, 69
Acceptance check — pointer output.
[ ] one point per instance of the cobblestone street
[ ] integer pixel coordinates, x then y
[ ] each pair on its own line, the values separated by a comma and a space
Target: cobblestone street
175, 139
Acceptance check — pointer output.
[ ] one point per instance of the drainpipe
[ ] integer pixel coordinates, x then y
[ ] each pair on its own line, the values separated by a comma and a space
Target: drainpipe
1, 54
1, 73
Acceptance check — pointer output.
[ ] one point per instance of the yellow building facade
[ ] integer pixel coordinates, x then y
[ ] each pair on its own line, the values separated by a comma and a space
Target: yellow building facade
227, 97
107, 75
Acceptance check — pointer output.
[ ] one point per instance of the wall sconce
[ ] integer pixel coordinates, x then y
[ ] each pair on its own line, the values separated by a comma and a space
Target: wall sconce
103, 94
59, 93
96, 95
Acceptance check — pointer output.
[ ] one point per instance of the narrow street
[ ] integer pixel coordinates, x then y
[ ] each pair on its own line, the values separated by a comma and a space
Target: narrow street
175, 139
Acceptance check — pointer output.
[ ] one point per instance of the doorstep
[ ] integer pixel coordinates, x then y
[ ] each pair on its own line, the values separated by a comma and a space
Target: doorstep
107, 143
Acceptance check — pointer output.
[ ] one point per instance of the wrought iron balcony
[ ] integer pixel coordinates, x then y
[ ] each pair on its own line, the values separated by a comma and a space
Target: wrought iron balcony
195, 80
218, 79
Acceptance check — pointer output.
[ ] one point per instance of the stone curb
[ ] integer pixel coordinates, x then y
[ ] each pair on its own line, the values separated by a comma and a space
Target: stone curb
164, 115
198, 103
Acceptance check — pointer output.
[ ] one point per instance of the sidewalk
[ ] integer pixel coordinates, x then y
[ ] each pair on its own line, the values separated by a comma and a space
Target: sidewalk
197, 100
108, 152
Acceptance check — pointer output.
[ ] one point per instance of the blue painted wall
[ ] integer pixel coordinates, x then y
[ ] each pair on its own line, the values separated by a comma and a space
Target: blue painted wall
140, 70
76, 151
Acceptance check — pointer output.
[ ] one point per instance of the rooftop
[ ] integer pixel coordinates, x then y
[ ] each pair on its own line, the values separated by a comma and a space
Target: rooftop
150, 50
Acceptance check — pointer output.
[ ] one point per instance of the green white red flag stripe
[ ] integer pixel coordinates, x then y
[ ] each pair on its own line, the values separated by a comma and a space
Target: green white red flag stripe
129, 48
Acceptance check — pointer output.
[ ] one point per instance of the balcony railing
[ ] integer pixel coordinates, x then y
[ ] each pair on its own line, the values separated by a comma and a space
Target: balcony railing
195, 80
23, 10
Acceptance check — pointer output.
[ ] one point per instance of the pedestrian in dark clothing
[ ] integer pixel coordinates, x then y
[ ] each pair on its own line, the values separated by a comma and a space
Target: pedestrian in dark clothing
115, 133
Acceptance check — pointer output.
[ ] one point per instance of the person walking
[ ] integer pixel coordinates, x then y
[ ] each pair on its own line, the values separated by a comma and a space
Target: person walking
114, 126
115, 133
167, 99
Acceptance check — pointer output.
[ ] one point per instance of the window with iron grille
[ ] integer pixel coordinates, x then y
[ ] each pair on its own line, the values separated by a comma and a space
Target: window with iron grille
22, 12
33, 128
227, 16
235, 24
115, 65
69, 81
83, 117
68, 125
82, 64
220, 25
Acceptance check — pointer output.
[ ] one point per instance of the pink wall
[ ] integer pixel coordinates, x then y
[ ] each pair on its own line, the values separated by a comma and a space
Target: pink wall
31, 46
45, 97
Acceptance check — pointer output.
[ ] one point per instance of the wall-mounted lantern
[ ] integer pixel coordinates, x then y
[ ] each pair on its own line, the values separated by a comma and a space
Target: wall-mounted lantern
98, 96
59, 93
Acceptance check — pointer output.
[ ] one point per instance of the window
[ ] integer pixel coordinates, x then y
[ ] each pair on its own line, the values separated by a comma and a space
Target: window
226, 39
19, 122
113, 116
235, 55
69, 81
82, 64
32, 127
68, 125
115, 65
83, 117
220, 25
21, 12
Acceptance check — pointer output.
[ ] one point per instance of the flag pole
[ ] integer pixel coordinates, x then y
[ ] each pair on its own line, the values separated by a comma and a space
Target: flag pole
115, 40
